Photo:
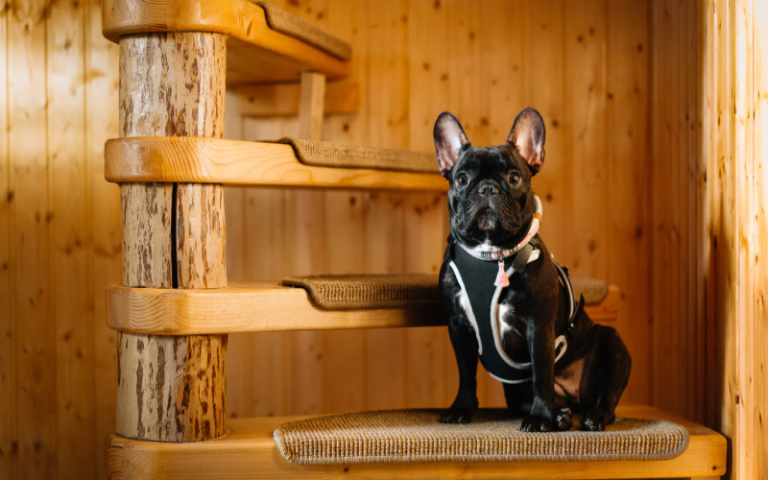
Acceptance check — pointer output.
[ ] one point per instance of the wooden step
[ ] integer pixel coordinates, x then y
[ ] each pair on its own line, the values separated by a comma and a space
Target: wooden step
255, 52
230, 162
263, 308
249, 451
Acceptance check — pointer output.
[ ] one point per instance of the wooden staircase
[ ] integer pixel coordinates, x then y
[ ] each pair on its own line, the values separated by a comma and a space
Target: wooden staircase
249, 451
175, 308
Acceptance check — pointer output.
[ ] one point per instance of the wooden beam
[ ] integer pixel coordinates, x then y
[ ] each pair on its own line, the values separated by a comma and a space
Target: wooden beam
266, 307
282, 99
312, 101
231, 162
172, 389
246, 308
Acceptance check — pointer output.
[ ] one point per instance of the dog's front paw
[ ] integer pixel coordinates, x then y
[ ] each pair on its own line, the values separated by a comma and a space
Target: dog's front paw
596, 419
537, 423
564, 419
457, 415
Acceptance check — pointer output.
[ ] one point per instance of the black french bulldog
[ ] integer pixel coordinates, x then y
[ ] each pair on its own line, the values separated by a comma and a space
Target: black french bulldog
493, 210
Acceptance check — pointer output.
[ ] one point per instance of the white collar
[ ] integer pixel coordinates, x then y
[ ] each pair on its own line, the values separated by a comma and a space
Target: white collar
491, 253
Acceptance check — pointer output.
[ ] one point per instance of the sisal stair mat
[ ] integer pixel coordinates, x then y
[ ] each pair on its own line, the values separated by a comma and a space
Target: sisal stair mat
327, 154
359, 292
417, 436
293, 26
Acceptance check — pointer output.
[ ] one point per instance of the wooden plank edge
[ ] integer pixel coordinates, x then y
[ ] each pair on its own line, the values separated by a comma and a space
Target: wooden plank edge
259, 309
234, 162
240, 19
249, 447
233, 310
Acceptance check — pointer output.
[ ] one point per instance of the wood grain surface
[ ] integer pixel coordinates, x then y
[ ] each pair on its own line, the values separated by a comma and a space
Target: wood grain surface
105, 262
311, 105
32, 450
277, 99
72, 308
8, 383
732, 90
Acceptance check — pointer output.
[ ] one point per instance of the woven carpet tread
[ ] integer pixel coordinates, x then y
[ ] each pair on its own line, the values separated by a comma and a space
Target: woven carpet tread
291, 25
343, 292
334, 155
416, 435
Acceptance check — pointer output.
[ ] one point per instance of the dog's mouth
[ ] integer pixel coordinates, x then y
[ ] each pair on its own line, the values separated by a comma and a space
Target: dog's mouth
487, 220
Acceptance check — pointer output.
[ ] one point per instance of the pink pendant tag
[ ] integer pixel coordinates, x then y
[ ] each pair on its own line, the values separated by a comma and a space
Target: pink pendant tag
501, 278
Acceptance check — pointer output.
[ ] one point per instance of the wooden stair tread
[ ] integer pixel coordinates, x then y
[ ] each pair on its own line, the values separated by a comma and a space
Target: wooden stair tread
255, 52
264, 307
232, 162
249, 451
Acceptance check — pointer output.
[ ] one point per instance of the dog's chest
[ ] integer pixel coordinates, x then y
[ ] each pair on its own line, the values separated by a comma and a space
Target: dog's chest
513, 330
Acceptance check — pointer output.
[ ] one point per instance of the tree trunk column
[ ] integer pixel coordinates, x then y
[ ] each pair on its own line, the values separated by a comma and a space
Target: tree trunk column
172, 388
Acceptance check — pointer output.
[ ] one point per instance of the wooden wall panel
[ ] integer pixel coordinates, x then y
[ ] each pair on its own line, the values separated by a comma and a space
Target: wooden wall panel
732, 102
8, 443
628, 231
759, 373
388, 98
101, 75
667, 98
36, 403
70, 231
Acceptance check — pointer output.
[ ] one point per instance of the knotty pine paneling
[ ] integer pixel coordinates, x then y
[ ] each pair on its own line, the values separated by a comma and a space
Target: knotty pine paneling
733, 104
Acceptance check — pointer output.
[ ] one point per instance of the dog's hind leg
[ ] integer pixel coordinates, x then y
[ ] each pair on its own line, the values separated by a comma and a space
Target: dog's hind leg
605, 376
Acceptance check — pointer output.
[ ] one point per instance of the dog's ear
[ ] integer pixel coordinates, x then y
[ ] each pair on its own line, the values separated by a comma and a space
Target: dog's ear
527, 135
449, 138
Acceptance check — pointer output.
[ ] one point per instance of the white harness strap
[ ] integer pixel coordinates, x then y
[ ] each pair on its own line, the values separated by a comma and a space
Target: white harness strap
561, 342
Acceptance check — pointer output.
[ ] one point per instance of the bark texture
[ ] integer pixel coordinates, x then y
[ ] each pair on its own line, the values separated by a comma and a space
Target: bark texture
201, 236
145, 214
172, 85
171, 389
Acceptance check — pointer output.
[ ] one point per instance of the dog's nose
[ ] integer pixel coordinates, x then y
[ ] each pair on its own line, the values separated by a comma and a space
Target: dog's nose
488, 187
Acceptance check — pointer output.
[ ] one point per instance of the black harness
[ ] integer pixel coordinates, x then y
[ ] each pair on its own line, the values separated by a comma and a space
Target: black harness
476, 279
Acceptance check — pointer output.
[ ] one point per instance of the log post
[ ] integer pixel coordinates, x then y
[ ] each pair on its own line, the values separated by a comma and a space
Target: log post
172, 388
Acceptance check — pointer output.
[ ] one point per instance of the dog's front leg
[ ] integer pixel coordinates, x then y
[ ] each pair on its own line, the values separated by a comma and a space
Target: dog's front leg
465, 346
541, 340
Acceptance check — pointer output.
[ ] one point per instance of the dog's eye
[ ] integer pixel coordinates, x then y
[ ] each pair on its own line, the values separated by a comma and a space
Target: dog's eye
462, 179
514, 179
